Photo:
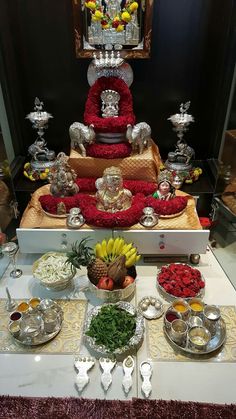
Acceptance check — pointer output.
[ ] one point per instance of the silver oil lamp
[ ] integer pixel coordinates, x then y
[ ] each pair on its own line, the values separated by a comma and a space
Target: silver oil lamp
179, 160
42, 157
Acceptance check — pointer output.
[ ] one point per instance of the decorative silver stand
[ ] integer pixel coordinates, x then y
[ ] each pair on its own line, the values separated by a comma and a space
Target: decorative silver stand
179, 160
42, 157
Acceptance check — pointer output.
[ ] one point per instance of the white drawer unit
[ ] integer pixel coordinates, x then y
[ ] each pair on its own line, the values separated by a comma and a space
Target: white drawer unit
148, 242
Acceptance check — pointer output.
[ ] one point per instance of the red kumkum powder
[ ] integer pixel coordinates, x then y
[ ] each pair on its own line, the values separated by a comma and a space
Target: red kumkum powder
171, 316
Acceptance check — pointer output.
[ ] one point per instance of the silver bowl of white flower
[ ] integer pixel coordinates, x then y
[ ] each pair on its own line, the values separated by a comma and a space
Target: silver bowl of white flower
53, 271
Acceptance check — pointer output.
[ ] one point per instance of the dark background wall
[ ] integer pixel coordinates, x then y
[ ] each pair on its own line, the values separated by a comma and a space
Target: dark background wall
193, 54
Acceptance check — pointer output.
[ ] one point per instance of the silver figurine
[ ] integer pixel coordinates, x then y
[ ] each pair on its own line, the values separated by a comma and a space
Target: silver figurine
42, 157
81, 135
110, 103
179, 160
139, 136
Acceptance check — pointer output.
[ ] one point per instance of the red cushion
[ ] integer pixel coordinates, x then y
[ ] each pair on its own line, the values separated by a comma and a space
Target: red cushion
92, 114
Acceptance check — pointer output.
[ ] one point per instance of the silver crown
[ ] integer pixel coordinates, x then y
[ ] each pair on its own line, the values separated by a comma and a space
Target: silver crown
106, 59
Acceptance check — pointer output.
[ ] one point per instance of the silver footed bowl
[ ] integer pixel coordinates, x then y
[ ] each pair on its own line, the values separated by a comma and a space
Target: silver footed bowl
115, 295
132, 344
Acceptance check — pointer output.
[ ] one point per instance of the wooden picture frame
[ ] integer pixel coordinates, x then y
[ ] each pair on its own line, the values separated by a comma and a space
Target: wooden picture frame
142, 51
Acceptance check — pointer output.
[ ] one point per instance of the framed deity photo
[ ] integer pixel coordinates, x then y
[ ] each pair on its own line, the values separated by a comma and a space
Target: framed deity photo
119, 25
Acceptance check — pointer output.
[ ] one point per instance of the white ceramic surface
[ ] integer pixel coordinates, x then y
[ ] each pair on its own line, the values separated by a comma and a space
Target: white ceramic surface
54, 375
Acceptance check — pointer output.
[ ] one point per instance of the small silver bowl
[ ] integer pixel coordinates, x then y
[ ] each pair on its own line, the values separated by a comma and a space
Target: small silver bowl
195, 321
177, 304
170, 316
14, 328
199, 337
31, 325
196, 306
178, 331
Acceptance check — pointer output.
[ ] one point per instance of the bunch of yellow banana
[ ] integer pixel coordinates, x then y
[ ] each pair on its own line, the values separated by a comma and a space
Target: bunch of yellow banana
109, 250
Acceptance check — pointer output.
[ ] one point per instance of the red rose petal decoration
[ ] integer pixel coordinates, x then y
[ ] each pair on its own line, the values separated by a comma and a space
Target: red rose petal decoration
180, 280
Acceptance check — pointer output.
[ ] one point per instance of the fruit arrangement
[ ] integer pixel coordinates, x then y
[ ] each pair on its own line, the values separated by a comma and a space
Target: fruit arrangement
180, 280
110, 264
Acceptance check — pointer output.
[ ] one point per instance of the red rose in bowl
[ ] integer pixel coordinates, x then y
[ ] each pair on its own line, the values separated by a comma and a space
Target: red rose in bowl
127, 281
105, 283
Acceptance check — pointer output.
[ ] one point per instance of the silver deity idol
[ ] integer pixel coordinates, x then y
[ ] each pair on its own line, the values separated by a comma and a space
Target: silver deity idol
62, 178
42, 157
179, 160
110, 102
111, 195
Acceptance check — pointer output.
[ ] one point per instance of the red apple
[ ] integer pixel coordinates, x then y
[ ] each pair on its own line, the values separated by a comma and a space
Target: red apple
127, 281
105, 283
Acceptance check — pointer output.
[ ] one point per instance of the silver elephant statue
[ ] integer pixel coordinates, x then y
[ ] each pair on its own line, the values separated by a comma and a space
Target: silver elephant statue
40, 152
139, 136
81, 135
183, 153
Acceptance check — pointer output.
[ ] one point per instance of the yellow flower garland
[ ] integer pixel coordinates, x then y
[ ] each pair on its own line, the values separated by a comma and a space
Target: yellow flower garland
119, 21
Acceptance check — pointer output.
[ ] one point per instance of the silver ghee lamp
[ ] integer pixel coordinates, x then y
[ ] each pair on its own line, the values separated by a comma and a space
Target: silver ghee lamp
150, 218
42, 157
179, 160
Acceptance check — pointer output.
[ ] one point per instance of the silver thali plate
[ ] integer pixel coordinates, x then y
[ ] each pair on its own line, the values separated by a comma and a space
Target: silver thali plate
132, 344
43, 337
215, 343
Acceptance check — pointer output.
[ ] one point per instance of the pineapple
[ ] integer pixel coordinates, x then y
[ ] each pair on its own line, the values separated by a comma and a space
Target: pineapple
83, 255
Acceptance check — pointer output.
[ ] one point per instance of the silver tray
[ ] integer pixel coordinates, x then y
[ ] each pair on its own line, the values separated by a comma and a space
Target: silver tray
42, 337
133, 343
151, 312
171, 297
215, 343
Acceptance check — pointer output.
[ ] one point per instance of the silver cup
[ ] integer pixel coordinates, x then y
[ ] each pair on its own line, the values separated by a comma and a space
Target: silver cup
50, 318
178, 331
199, 337
211, 315
181, 303
197, 306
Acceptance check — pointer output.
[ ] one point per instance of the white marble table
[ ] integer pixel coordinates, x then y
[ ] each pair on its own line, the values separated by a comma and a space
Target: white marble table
54, 375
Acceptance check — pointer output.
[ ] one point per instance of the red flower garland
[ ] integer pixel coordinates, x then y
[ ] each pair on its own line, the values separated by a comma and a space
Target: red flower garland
180, 280
99, 218
49, 202
125, 218
109, 151
93, 106
94, 216
171, 207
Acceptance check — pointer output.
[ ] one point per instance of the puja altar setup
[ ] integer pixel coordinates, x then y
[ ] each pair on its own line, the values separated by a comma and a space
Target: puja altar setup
102, 307
114, 178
